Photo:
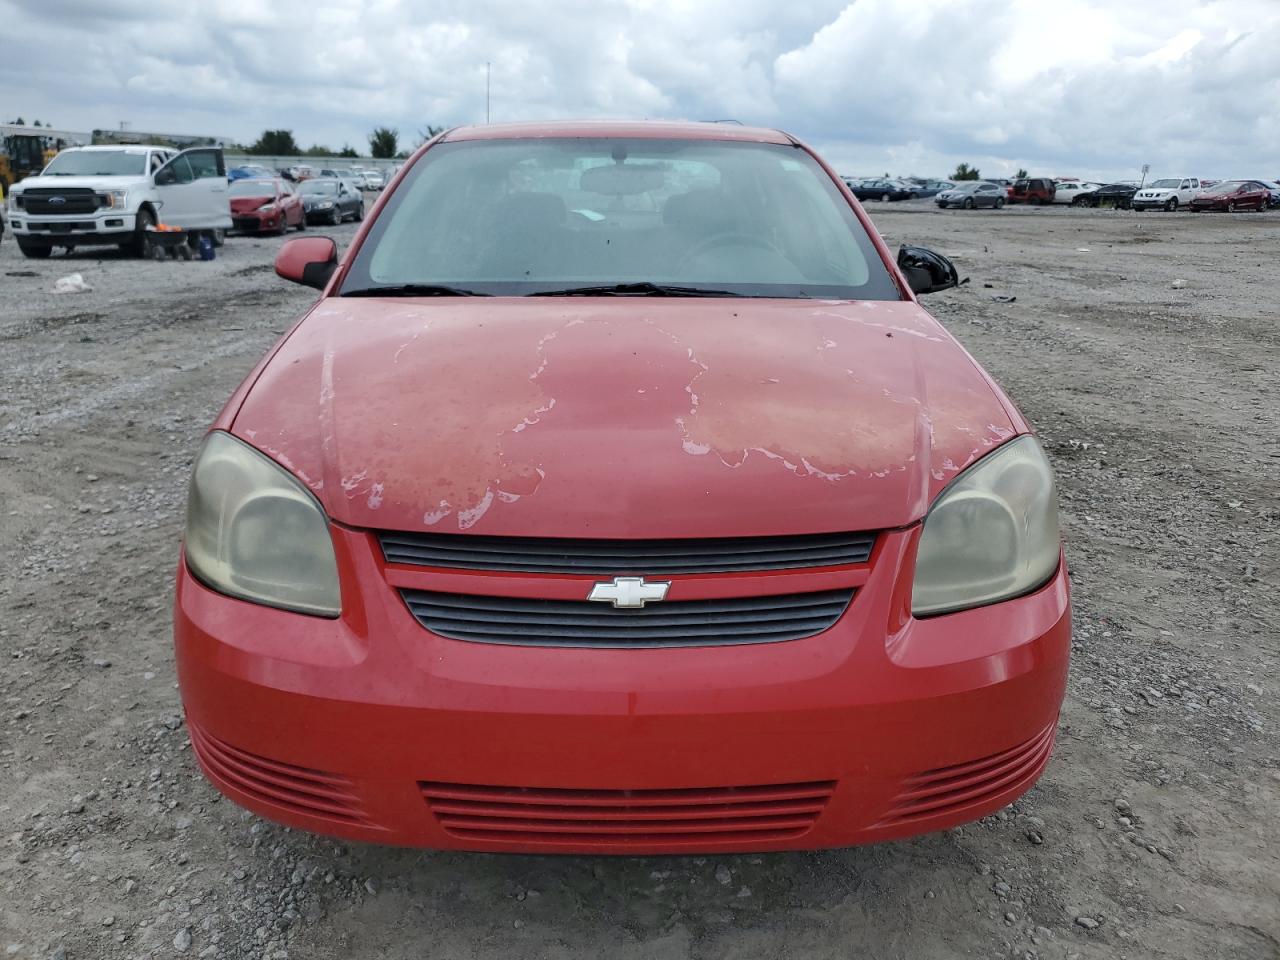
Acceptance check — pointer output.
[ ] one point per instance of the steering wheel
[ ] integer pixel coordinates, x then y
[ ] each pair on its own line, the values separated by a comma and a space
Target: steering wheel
732, 238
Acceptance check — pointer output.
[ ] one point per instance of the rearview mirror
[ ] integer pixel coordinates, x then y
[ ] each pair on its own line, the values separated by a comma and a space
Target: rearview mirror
621, 180
308, 260
165, 176
926, 271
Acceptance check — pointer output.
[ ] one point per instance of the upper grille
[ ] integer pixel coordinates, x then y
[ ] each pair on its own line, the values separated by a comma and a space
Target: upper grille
714, 815
577, 623
75, 200
652, 557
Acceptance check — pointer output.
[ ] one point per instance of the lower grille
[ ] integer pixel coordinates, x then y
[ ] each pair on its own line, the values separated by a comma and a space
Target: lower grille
60, 226
620, 817
578, 623
312, 793
947, 790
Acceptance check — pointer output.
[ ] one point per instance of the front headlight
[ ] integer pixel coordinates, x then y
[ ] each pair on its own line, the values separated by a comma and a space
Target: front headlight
991, 535
267, 208
112, 199
13, 201
325, 204
254, 531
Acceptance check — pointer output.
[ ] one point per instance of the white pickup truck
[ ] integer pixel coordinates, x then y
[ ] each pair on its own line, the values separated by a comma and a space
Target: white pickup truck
1167, 194
112, 194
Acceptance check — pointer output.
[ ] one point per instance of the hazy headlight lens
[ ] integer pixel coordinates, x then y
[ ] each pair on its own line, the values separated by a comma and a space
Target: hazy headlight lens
991, 535
254, 532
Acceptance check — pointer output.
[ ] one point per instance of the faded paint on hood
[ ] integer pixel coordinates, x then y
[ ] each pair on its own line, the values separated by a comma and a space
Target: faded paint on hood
627, 417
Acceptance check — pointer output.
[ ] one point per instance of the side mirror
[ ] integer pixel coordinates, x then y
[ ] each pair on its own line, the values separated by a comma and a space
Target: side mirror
925, 270
165, 176
308, 260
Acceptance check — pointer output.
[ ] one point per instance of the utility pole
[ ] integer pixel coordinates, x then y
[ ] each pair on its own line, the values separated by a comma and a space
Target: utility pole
487, 69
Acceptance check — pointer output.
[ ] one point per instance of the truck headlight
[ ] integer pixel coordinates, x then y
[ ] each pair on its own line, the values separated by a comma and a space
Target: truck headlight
112, 199
991, 535
255, 532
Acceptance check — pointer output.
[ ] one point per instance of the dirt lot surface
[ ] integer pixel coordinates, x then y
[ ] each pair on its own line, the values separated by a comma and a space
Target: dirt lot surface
1154, 832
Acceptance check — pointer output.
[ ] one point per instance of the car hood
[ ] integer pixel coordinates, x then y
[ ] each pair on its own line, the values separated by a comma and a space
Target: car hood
627, 417
94, 183
250, 204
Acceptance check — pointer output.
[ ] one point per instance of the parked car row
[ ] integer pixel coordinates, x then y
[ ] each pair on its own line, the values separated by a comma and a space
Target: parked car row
1172, 193
886, 189
120, 194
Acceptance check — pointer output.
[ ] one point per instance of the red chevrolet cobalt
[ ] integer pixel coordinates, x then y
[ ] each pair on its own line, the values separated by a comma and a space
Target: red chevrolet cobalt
617, 496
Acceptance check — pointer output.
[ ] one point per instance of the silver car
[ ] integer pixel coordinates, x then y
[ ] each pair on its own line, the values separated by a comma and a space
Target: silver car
971, 194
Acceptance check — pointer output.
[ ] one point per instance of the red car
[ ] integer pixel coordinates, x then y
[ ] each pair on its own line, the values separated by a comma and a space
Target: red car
1035, 190
617, 496
1233, 195
266, 206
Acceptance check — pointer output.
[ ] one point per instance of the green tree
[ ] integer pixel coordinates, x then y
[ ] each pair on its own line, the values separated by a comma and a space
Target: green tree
384, 142
1021, 174
276, 143
428, 133
316, 150
348, 151
966, 172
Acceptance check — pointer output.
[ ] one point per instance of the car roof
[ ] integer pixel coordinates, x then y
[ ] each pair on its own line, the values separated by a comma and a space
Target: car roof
649, 129
126, 147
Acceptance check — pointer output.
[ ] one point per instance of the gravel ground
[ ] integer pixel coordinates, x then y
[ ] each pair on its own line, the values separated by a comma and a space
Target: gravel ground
1153, 833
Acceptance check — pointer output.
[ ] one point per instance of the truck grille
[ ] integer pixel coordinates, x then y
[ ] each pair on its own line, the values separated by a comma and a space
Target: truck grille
577, 623
612, 557
49, 201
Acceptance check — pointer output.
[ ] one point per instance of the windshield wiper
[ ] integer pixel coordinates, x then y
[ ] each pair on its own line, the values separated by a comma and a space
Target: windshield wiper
642, 289
412, 290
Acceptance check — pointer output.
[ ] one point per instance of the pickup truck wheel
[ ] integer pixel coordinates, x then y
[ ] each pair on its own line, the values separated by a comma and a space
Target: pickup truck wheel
35, 251
140, 245
1171, 204
219, 237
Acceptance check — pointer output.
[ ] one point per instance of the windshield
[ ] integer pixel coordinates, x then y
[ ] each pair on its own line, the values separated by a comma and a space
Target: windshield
1166, 185
97, 163
319, 186
253, 188
1231, 186
530, 216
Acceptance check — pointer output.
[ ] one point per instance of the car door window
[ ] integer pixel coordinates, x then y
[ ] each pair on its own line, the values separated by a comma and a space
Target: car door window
180, 167
204, 164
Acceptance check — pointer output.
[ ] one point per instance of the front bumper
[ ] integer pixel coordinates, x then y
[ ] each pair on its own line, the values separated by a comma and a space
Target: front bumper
256, 222
103, 227
372, 728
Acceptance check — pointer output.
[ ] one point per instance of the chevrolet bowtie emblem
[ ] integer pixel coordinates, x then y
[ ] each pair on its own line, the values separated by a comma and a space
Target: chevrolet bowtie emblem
629, 592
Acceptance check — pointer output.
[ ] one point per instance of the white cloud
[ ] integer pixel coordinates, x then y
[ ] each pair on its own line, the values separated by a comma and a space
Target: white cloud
1074, 86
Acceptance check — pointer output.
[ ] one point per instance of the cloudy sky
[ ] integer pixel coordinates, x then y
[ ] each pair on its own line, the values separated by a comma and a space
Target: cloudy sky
1086, 87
